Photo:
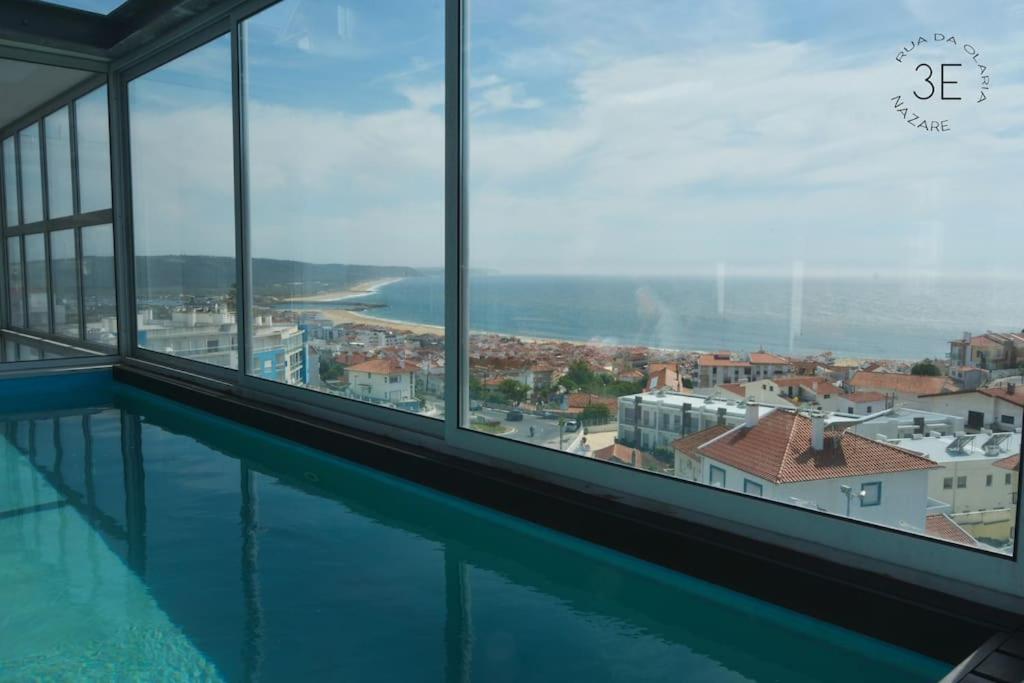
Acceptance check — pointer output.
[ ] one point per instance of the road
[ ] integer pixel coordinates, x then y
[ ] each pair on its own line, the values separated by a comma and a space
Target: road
545, 430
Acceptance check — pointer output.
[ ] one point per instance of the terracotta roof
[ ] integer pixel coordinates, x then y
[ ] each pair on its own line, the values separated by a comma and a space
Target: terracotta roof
581, 400
779, 449
734, 388
941, 526
814, 384
908, 384
717, 360
1016, 398
768, 359
864, 397
384, 366
624, 455
689, 444
1011, 463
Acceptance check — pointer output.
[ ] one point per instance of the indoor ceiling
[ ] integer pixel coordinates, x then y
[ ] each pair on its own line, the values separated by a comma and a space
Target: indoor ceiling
26, 86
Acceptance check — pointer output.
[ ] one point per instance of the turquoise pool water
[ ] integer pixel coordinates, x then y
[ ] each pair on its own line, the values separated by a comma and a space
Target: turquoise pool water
144, 540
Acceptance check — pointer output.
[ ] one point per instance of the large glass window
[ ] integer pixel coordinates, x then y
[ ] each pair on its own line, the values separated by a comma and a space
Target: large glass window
15, 283
10, 166
751, 222
31, 174
345, 127
64, 273
36, 283
93, 135
182, 179
58, 163
98, 285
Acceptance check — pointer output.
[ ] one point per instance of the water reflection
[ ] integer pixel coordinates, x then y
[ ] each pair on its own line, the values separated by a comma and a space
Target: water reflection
279, 563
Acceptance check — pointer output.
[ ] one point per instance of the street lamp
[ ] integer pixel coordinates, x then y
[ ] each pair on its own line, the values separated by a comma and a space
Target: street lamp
848, 492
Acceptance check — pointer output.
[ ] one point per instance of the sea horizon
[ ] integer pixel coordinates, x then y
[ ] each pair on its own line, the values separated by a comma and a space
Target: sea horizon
871, 318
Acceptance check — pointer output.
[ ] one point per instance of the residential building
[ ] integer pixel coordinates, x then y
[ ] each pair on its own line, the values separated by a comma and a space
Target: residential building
855, 403
652, 421
765, 365
790, 457
900, 386
989, 351
998, 408
722, 368
383, 380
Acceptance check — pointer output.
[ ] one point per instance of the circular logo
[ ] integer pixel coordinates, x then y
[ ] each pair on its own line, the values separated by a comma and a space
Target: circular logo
942, 75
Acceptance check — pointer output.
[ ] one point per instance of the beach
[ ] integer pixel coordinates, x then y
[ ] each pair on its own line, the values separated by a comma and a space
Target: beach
357, 290
341, 316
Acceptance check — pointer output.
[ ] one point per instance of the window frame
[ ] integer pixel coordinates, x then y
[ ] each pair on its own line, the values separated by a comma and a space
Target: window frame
877, 485
930, 562
751, 484
716, 470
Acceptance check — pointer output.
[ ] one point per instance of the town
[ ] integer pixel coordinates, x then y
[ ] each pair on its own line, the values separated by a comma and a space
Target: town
931, 447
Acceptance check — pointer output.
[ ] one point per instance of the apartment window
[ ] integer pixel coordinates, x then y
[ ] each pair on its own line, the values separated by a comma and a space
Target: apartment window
31, 169
850, 410
1006, 419
961, 482
183, 208
871, 494
947, 483
64, 275
93, 136
752, 488
98, 286
1008, 479
345, 177
57, 130
15, 283
717, 476
36, 283
12, 203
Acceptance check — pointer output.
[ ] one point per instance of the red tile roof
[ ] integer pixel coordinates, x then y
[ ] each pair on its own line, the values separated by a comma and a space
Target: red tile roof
721, 360
941, 526
689, 444
582, 400
815, 384
625, 455
1011, 463
864, 397
1016, 398
898, 382
384, 366
767, 359
779, 449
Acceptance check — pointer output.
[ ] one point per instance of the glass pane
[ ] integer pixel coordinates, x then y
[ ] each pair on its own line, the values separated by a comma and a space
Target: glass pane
10, 181
183, 206
93, 130
15, 282
31, 174
64, 271
690, 236
58, 163
35, 276
98, 285
345, 126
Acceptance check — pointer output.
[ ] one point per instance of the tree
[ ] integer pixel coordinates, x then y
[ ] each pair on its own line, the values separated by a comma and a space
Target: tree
925, 368
596, 413
515, 392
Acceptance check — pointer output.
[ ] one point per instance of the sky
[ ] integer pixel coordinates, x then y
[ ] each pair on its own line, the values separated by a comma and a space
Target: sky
654, 138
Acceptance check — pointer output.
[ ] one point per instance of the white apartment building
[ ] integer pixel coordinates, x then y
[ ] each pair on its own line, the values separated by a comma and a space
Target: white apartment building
722, 368
383, 380
999, 408
653, 420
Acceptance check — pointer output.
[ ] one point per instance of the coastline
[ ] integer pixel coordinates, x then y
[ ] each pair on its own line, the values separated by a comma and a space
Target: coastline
356, 290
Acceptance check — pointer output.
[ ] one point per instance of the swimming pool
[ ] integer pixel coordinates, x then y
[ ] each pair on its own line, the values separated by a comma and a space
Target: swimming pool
142, 537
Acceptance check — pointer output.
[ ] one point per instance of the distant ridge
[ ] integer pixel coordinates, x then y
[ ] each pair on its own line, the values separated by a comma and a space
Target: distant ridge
213, 275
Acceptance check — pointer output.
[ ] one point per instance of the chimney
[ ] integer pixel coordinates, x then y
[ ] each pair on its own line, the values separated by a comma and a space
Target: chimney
753, 414
721, 417
817, 430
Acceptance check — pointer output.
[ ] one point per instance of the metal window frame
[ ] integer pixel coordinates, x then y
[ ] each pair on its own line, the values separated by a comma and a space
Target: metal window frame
973, 574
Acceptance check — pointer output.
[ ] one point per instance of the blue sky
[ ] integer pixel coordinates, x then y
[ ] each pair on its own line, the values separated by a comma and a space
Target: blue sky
649, 138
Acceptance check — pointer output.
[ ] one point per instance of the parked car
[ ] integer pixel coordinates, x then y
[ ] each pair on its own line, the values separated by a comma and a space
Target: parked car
572, 425
514, 416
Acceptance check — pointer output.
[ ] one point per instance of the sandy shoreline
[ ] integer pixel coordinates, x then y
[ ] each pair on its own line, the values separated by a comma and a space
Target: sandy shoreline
359, 289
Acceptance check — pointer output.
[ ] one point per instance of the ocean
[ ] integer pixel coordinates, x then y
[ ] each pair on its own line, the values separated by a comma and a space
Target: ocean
885, 318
